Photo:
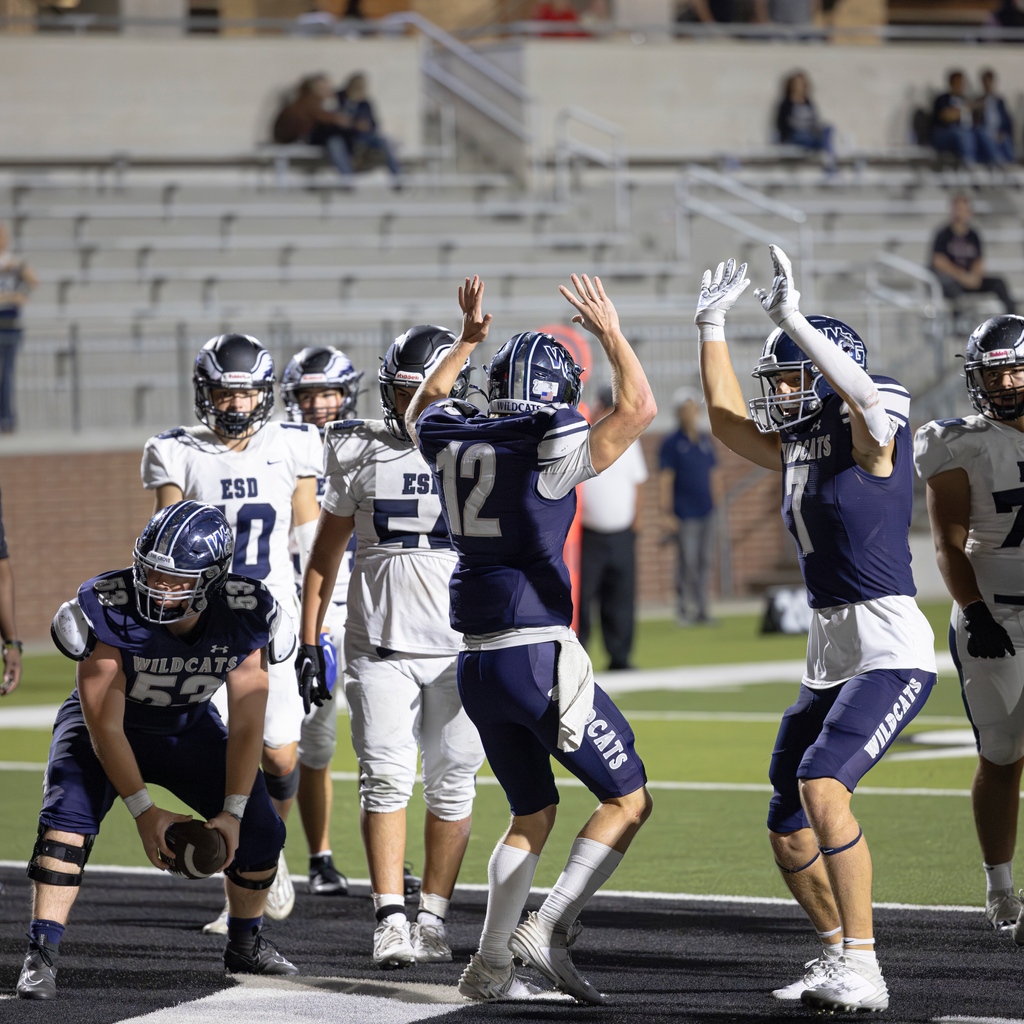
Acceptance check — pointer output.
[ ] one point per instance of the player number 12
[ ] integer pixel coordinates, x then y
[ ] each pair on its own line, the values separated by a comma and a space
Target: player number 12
476, 460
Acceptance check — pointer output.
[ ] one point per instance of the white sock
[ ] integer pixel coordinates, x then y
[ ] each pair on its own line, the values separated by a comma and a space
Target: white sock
589, 866
859, 956
510, 874
835, 947
433, 906
998, 876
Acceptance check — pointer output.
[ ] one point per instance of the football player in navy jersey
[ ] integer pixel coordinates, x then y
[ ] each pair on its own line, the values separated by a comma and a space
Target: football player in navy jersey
507, 480
841, 439
153, 643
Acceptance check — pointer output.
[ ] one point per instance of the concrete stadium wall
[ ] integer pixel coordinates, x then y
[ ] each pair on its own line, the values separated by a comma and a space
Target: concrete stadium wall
707, 96
71, 515
192, 97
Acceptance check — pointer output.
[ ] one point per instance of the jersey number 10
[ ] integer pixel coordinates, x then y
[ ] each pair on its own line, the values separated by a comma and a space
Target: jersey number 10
474, 461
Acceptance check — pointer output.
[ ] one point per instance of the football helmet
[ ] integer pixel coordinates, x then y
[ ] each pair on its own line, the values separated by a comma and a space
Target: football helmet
233, 362
532, 371
996, 344
781, 354
188, 540
407, 362
320, 368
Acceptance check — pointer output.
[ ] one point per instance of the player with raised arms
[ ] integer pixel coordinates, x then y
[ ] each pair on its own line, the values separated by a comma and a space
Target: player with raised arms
400, 651
507, 477
841, 439
153, 643
262, 475
974, 468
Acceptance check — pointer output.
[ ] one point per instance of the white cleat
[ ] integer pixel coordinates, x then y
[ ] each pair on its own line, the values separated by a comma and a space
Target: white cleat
1018, 928
547, 951
485, 984
220, 925
1002, 909
281, 896
815, 972
392, 946
848, 987
430, 943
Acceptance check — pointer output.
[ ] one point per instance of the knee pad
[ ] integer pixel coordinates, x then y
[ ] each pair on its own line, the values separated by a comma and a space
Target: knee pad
232, 872
450, 798
77, 855
383, 793
282, 787
319, 737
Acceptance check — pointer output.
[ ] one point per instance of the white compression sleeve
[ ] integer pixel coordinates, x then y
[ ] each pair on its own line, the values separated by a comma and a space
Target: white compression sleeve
844, 375
304, 533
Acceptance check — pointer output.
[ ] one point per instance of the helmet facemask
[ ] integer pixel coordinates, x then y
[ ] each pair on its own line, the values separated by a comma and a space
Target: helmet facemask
166, 604
797, 407
234, 423
999, 402
320, 370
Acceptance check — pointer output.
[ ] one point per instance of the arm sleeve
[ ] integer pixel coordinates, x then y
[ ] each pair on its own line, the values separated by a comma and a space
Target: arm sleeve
932, 454
158, 467
563, 455
844, 375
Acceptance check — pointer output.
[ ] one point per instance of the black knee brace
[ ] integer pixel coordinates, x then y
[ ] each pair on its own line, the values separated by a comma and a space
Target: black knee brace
247, 883
803, 867
282, 787
831, 851
77, 855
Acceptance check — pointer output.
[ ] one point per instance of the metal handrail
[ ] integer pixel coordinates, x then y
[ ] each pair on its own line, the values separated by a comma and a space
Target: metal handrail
903, 300
566, 147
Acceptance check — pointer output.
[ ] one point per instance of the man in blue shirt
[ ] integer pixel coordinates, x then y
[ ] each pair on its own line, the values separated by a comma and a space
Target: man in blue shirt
687, 459
507, 480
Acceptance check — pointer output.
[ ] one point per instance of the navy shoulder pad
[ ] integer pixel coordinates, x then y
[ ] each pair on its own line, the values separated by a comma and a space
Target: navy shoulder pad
956, 421
304, 427
338, 426
175, 432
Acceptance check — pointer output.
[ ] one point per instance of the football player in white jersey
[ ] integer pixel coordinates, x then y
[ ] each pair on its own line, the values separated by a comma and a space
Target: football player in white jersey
400, 651
320, 385
263, 477
975, 472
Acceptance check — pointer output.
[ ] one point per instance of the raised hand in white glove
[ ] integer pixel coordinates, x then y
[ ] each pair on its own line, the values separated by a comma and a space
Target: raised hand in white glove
717, 295
782, 300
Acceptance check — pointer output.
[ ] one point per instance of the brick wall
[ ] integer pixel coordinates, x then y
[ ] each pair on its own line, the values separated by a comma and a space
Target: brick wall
70, 516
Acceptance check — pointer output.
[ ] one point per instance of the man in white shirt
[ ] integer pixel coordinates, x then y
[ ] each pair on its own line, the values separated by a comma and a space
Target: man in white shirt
611, 508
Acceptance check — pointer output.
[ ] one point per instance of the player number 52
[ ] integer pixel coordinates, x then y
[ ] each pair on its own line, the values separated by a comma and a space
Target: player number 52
475, 461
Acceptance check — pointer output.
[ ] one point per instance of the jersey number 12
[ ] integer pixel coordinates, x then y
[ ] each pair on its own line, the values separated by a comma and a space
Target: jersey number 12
474, 461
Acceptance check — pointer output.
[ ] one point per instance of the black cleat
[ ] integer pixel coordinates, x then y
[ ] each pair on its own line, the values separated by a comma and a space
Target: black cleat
256, 956
38, 978
412, 883
325, 879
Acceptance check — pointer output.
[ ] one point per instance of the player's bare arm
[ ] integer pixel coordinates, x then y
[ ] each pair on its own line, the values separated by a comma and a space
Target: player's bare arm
727, 409
305, 508
329, 544
634, 407
247, 688
167, 494
949, 511
9, 631
874, 444
101, 690
439, 383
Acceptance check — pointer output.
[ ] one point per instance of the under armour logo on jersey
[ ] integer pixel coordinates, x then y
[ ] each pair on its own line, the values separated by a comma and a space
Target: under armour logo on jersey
218, 650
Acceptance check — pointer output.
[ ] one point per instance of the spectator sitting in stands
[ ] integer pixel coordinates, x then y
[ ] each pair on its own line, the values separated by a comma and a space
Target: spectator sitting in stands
369, 148
958, 261
1008, 15
953, 121
305, 119
994, 127
797, 119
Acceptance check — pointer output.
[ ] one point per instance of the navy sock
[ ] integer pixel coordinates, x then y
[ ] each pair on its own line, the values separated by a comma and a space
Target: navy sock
49, 930
241, 928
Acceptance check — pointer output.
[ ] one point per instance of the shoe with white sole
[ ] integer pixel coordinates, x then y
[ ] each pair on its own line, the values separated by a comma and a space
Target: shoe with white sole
546, 950
485, 984
392, 945
430, 943
849, 986
1018, 928
814, 974
1002, 908
220, 925
281, 895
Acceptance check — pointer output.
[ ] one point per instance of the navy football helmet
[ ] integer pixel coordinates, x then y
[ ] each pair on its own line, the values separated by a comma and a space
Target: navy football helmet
187, 540
996, 345
781, 354
532, 371
320, 368
407, 362
233, 362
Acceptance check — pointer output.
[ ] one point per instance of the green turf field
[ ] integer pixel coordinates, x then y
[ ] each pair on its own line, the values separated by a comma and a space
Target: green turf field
709, 840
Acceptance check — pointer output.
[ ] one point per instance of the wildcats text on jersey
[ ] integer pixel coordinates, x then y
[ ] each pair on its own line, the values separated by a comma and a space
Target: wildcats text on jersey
888, 726
804, 451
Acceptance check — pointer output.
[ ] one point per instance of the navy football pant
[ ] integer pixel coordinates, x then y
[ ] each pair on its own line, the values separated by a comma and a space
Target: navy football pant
506, 693
191, 763
840, 733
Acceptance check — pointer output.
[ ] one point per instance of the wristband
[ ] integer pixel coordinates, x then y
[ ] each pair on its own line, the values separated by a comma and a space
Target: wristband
235, 805
138, 803
710, 332
16, 644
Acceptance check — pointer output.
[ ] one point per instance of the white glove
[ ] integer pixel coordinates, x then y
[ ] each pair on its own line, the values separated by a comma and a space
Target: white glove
717, 295
783, 300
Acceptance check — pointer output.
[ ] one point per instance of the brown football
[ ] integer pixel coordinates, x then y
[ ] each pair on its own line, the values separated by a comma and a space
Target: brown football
198, 851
